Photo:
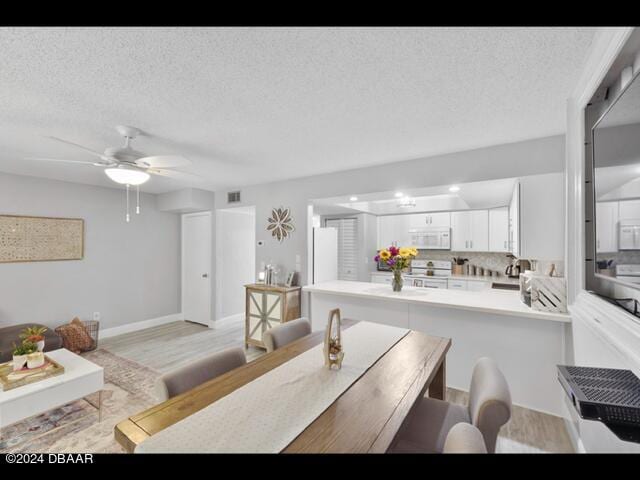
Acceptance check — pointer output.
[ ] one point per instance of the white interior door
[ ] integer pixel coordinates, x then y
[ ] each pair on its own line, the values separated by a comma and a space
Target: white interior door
196, 267
325, 254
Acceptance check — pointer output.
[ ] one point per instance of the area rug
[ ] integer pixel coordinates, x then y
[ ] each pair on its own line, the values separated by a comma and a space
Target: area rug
74, 427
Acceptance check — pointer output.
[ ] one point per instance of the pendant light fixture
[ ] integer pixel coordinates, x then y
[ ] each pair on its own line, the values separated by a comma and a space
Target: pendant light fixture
128, 176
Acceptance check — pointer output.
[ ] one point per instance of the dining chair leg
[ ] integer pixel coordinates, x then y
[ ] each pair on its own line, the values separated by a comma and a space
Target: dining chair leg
438, 386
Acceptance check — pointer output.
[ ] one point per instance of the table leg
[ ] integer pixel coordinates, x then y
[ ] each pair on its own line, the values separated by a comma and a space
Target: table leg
438, 386
99, 406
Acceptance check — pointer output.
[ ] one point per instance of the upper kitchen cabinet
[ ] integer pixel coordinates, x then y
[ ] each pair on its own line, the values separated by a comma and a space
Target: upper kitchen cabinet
629, 210
541, 217
420, 220
470, 231
394, 230
514, 221
607, 226
499, 229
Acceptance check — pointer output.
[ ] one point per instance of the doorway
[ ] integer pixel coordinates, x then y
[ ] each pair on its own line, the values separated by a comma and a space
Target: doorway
196, 267
235, 259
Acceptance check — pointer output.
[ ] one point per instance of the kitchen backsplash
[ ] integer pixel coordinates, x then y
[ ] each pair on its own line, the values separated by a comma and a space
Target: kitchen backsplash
490, 260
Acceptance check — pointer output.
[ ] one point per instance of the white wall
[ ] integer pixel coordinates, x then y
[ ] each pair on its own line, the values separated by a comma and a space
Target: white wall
236, 260
130, 271
602, 334
529, 157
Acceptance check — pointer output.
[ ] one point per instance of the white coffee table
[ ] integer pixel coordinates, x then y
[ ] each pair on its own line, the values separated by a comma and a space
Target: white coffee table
80, 378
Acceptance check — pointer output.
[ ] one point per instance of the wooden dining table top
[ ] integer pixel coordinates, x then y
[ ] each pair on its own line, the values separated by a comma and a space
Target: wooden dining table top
365, 418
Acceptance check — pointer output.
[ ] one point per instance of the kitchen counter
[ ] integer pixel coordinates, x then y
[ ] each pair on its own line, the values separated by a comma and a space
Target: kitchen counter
501, 302
527, 344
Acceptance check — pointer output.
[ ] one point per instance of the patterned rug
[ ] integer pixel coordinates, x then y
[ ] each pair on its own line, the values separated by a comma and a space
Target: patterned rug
74, 427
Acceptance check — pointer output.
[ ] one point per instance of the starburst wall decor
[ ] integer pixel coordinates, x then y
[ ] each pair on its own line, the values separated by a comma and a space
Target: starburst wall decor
280, 223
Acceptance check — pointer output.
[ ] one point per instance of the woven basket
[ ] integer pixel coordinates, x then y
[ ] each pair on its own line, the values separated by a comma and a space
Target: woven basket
91, 326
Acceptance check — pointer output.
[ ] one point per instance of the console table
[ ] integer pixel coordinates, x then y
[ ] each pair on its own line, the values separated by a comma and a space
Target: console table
266, 307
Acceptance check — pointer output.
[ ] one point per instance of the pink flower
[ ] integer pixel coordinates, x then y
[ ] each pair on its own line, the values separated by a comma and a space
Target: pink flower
393, 251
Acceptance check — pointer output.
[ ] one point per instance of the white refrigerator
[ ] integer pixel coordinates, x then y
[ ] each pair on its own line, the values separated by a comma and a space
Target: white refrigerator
325, 254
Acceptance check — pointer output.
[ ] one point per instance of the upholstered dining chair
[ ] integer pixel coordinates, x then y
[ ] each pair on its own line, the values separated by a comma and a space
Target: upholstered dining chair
190, 376
427, 425
286, 333
464, 438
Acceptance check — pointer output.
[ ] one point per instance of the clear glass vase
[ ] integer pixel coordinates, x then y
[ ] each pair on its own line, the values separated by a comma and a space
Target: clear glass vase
397, 281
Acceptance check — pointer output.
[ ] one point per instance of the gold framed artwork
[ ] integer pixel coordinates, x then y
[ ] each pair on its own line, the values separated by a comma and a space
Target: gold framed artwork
40, 239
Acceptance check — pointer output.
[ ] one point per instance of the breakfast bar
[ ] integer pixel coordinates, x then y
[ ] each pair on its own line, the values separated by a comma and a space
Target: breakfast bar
527, 344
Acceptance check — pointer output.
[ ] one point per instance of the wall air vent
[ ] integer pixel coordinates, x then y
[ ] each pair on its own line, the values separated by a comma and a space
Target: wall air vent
233, 197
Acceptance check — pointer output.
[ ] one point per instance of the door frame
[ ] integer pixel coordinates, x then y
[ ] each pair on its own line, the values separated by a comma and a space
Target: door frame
182, 263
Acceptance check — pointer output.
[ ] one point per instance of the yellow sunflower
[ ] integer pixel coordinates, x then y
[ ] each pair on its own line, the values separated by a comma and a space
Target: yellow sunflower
384, 254
405, 252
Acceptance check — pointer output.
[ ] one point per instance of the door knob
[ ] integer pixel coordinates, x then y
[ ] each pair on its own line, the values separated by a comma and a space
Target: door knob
205, 275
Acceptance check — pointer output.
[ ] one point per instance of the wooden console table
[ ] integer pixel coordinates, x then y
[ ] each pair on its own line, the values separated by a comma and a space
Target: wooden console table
267, 306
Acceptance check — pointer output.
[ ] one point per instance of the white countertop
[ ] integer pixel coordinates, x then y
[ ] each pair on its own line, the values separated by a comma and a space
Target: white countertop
502, 302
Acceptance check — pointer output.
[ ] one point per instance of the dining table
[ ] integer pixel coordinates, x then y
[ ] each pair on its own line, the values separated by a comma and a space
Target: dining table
364, 418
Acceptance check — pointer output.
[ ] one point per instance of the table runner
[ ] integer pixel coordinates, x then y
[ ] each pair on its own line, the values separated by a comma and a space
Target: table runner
268, 413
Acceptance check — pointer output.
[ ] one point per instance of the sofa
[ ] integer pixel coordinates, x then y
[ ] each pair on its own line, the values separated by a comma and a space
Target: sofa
9, 335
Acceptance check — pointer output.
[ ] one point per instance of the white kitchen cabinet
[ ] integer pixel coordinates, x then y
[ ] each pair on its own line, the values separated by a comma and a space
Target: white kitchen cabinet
476, 285
514, 221
394, 230
541, 217
607, 226
629, 210
457, 284
470, 231
425, 220
499, 229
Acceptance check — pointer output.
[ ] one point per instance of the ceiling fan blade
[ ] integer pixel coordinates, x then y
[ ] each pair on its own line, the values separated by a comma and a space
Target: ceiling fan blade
61, 160
86, 149
163, 161
175, 174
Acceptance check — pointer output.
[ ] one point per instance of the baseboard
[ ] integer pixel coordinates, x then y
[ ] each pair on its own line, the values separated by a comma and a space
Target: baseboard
135, 326
236, 317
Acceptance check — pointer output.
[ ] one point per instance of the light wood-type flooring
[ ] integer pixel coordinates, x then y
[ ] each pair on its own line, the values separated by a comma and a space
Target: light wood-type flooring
167, 346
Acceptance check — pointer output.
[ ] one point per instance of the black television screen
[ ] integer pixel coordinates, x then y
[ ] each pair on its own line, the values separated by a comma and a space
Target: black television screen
615, 249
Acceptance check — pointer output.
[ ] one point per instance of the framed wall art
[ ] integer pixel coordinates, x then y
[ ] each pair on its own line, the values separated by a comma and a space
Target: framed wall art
40, 239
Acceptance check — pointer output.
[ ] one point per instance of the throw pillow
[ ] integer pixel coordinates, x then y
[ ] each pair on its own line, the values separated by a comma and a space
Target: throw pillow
75, 336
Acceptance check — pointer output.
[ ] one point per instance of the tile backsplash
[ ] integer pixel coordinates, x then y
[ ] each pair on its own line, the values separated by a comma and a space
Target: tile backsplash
490, 260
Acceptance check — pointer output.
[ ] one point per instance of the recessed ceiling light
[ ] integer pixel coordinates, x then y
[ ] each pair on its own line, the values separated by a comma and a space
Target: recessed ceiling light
454, 188
398, 194
353, 199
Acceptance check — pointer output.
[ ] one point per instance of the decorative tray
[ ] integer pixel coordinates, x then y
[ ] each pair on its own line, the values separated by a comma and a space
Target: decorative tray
10, 379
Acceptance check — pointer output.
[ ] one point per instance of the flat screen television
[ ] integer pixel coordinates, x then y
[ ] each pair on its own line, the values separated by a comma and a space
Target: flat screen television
613, 202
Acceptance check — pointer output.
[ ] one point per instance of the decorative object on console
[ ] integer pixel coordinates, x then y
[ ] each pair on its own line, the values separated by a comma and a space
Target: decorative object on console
34, 334
291, 279
40, 239
280, 223
333, 351
79, 336
398, 259
458, 265
35, 360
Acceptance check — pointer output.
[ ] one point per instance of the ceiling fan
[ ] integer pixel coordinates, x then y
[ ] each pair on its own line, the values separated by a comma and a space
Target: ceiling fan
127, 166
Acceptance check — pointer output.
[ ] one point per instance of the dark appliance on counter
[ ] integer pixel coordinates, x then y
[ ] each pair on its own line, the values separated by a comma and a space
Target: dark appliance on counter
516, 268
382, 266
608, 395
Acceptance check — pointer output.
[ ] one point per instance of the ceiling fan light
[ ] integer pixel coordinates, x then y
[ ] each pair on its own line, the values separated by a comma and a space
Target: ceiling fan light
127, 176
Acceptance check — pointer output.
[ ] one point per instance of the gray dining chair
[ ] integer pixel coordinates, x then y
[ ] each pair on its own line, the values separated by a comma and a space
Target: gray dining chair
196, 373
464, 438
286, 333
426, 427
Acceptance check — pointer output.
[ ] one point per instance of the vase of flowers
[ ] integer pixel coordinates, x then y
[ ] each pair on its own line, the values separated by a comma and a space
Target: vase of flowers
399, 259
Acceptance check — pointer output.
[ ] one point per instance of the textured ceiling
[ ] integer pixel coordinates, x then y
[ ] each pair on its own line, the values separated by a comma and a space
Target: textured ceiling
251, 105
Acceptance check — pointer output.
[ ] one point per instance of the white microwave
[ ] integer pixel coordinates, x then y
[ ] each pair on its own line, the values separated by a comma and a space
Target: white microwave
436, 238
